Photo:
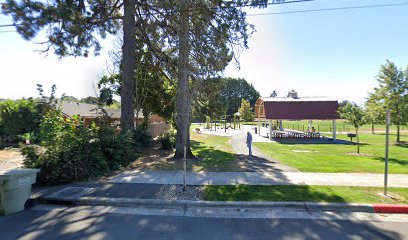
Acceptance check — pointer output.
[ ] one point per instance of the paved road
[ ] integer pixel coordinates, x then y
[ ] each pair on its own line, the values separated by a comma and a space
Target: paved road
53, 222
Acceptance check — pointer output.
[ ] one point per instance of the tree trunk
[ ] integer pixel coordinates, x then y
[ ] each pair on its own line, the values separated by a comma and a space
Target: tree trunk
183, 93
372, 127
398, 133
127, 92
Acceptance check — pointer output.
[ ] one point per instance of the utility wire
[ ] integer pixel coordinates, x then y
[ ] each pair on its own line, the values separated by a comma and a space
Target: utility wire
330, 9
287, 12
7, 25
272, 2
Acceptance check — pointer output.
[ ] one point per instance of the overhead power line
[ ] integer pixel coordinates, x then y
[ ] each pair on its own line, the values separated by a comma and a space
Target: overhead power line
277, 2
330, 9
7, 25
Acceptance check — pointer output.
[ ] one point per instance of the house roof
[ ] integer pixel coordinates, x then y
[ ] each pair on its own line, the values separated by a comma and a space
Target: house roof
89, 110
304, 108
302, 99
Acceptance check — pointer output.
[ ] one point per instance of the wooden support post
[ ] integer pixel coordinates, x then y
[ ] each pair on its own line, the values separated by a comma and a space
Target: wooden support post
334, 130
270, 129
259, 120
259, 126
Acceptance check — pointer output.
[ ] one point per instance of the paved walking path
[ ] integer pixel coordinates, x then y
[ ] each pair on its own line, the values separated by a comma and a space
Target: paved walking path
261, 178
259, 162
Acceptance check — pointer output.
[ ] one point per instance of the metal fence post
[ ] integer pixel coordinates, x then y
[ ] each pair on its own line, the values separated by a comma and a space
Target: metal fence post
387, 140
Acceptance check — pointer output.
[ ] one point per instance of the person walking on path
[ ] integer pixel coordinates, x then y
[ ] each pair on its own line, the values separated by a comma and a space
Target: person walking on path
249, 143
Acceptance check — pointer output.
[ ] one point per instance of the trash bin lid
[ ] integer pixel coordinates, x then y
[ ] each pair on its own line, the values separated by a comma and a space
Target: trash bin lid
16, 173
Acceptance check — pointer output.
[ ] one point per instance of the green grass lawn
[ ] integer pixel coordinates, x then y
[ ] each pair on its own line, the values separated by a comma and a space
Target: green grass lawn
284, 193
340, 157
326, 126
216, 152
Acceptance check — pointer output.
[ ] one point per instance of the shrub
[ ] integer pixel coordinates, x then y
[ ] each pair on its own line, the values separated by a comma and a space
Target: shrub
72, 152
141, 136
117, 148
168, 139
19, 117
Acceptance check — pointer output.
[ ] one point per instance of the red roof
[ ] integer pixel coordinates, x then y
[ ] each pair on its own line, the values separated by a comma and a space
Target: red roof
300, 109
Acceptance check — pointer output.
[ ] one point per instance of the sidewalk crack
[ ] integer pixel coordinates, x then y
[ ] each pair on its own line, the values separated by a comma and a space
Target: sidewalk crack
307, 209
175, 172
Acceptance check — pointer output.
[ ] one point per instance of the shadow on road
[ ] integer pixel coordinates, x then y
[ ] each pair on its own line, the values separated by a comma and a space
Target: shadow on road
44, 225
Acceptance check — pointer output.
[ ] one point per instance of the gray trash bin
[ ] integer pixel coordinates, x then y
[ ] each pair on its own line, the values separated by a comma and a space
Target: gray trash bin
15, 189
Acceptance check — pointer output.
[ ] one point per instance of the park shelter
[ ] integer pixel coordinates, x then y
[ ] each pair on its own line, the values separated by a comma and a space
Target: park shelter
305, 108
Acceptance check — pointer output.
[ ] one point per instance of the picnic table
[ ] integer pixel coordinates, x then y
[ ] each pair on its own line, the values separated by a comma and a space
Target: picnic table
279, 134
312, 134
295, 134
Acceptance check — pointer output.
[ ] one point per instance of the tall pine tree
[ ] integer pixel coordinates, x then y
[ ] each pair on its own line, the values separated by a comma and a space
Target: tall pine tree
392, 92
72, 28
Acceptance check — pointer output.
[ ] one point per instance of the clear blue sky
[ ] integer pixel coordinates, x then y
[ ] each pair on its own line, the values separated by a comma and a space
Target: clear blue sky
331, 53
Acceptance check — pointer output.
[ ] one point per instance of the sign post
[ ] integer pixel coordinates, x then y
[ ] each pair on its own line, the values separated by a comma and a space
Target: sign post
185, 170
387, 140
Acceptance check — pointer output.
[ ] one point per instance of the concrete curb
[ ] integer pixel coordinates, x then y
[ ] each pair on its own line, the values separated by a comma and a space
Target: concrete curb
154, 203
340, 207
391, 208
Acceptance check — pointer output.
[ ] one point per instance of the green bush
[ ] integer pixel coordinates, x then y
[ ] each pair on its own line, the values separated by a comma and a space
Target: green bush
19, 117
72, 152
168, 139
117, 148
141, 136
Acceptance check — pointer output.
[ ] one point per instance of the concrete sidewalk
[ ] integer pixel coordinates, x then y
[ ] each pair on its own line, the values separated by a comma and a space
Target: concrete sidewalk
262, 178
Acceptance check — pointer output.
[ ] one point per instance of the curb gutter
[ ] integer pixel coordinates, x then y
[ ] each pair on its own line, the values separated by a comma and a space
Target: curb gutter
154, 203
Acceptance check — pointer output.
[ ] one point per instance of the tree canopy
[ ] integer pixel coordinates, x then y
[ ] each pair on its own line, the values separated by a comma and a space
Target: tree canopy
187, 40
355, 116
374, 111
245, 111
19, 116
391, 93
74, 28
234, 90
192, 40
219, 96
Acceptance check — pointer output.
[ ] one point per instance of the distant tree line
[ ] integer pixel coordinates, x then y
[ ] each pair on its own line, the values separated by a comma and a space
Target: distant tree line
222, 96
92, 100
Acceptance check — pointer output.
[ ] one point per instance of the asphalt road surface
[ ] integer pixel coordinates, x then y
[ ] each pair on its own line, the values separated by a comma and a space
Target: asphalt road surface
85, 222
